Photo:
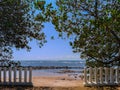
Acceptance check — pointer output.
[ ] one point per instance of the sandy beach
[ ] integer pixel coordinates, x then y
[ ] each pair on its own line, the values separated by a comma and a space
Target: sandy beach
57, 82
63, 83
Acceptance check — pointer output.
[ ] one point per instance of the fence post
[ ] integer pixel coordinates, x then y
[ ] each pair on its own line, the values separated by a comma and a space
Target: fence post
117, 75
101, 75
111, 75
10, 72
85, 75
14, 74
96, 75
25, 74
0, 75
30, 74
106, 75
4, 74
90, 79
20, 74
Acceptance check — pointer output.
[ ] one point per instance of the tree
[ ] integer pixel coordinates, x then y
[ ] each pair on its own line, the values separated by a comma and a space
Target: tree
94, 25
18, 27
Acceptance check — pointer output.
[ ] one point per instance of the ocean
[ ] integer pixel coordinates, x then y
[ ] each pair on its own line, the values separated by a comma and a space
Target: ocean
69, 63
75, 66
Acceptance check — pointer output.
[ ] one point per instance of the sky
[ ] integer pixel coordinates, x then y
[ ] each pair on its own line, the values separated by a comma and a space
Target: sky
57, 49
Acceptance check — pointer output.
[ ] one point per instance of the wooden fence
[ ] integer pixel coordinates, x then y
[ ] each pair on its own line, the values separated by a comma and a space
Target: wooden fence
15, 76
101, 76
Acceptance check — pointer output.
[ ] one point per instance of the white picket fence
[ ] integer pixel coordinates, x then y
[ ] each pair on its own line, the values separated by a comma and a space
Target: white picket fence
16, 76
101, 76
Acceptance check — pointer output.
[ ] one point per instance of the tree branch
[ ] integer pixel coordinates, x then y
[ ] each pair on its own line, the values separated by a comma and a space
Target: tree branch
115, 35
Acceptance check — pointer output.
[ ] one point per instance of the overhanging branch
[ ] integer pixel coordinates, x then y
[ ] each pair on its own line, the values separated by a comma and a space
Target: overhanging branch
115, 35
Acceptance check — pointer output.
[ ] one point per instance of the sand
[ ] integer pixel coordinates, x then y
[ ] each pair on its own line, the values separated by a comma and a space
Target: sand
63, 83
56, 81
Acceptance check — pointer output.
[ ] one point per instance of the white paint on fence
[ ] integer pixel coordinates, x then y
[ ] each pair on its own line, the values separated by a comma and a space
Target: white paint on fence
96, 78
102, 76
25, 75
20, 70
15, 76
106, 75
10, 72
4, 74
117, 74
0, 74
90, 75
30, 75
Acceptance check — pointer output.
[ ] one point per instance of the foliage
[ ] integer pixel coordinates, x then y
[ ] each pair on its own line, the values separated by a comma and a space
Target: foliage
18, 27
94, 25
9, 63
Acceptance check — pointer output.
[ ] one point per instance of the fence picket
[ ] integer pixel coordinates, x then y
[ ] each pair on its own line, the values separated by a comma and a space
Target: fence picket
25, 75
4, 74
85, 75
0, 75
116, 75
20, 74
111, 75
30, 74
7, 77
106, 75
90, 77
14, 74
96, 76
102, 76
10, 73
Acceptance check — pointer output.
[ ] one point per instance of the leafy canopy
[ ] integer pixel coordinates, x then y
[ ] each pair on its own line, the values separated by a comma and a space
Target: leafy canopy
94, 25
18, 27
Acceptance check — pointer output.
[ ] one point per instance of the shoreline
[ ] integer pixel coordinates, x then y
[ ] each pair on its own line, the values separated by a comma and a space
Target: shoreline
64, 82
53, 67
59, 72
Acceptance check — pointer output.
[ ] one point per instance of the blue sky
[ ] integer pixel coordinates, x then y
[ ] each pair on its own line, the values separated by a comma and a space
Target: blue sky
57, 49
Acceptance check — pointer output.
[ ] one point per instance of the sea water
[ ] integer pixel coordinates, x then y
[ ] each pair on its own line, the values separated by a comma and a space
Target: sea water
55, 63
58, 63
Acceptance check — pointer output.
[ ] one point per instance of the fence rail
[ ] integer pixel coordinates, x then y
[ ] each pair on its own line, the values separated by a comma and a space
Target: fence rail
101, 76
15, 76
